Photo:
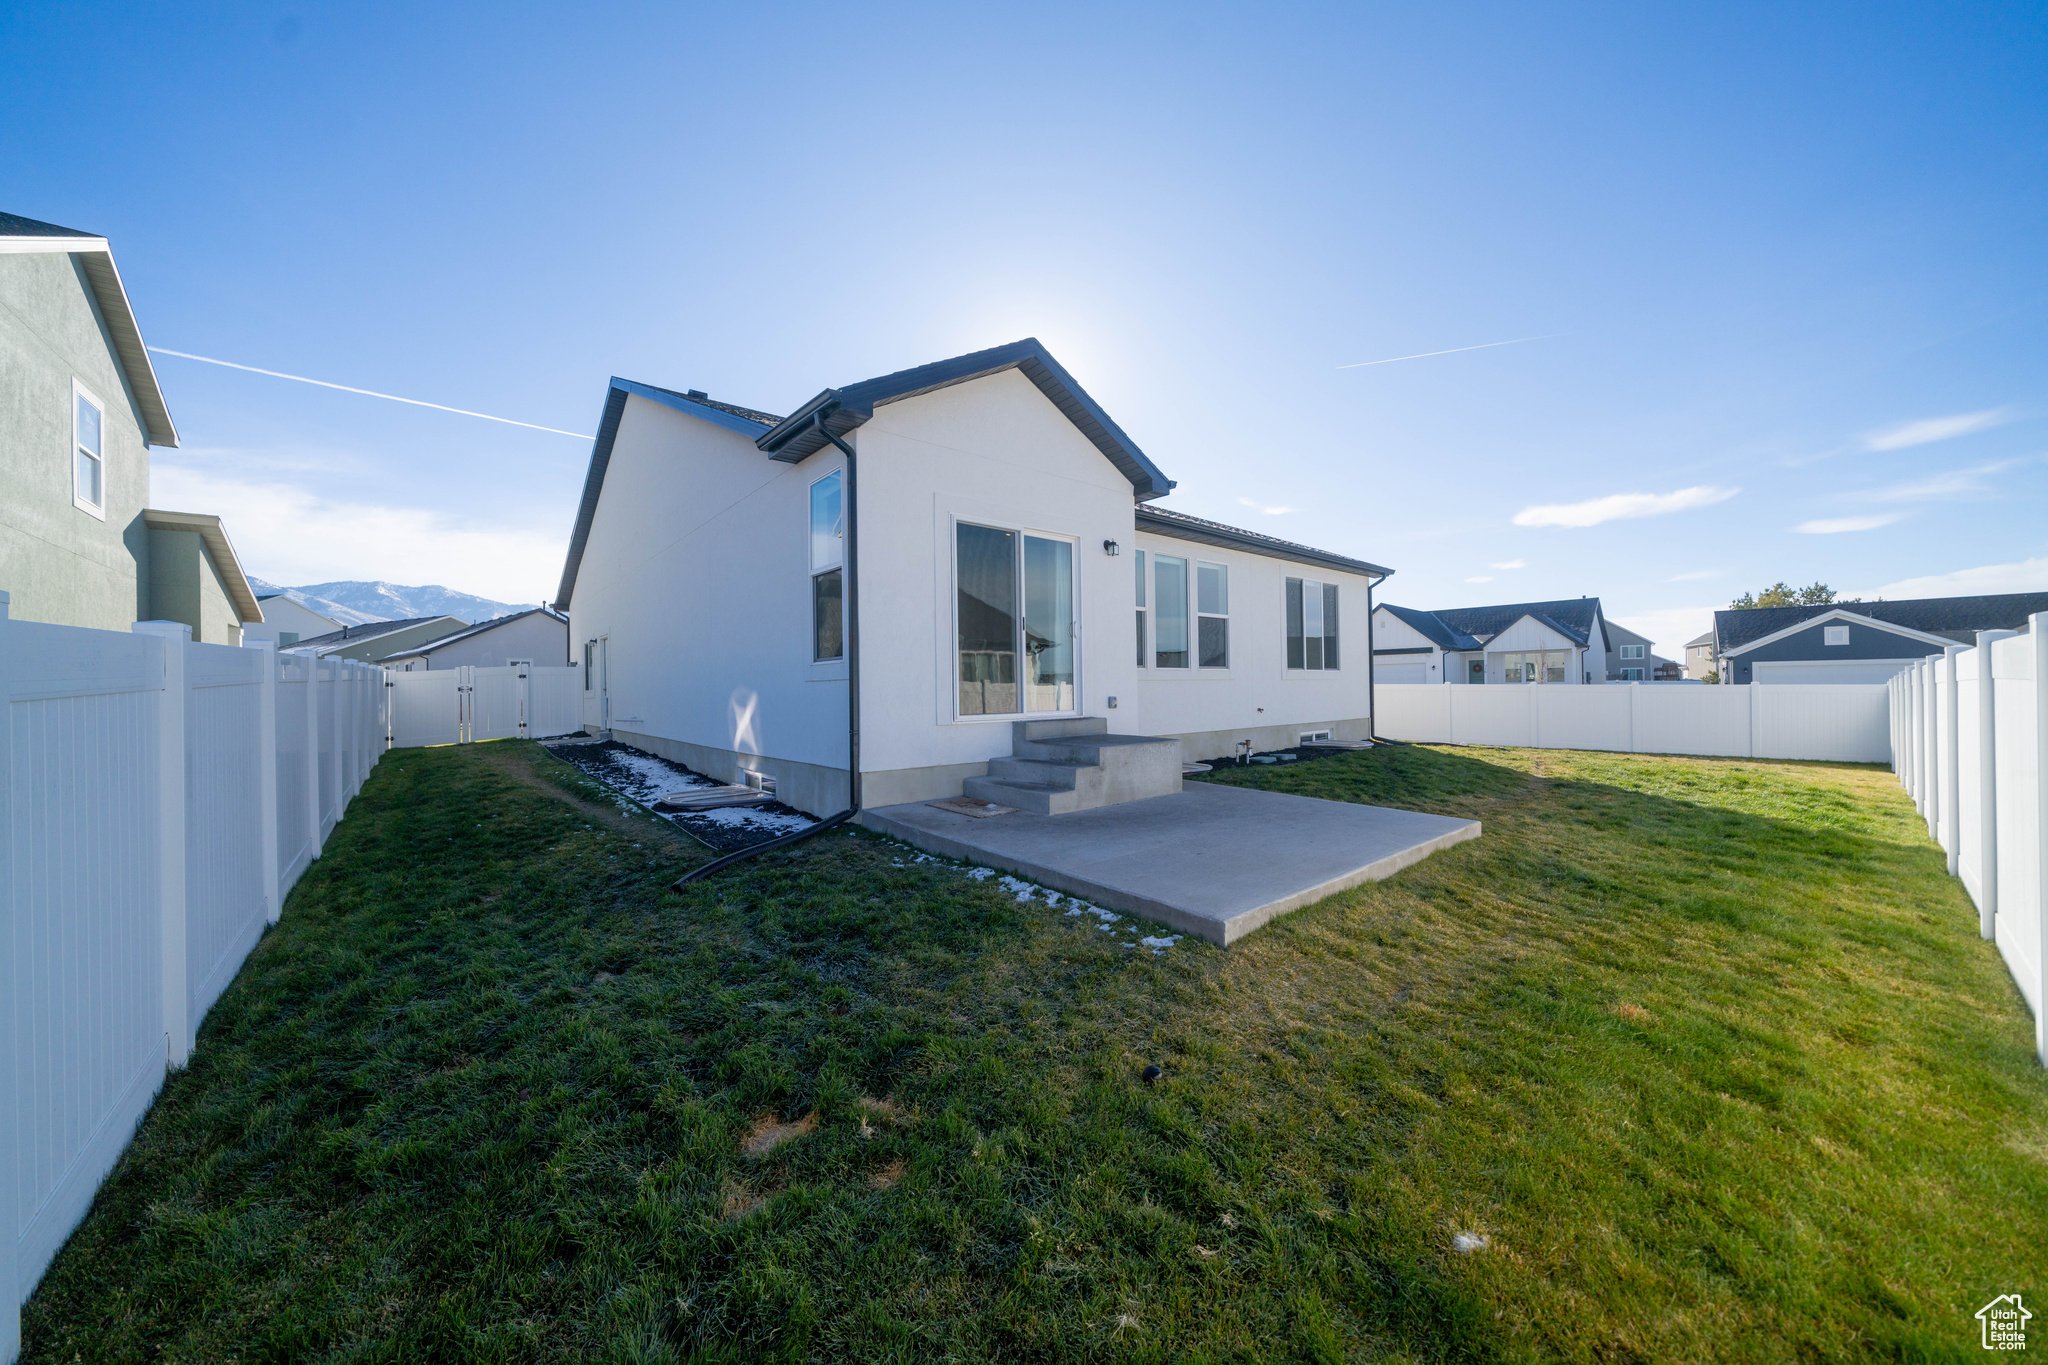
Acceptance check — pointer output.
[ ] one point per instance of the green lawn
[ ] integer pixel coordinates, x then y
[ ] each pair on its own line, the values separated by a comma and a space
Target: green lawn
1710, 1052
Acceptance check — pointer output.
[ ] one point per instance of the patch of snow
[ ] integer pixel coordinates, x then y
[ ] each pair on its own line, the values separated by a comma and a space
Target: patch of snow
1468, 1242
1162, 943
744, 817
1024, 891
1108, 917
980, 874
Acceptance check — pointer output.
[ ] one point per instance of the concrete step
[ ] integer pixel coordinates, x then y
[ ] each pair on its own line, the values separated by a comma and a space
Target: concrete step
1061, 773
1022, 731
1039, 798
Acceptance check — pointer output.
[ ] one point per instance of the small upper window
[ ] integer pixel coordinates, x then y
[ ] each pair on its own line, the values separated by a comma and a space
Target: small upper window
88, 459
828, 525
1631, 651
1834, 635
1212, 613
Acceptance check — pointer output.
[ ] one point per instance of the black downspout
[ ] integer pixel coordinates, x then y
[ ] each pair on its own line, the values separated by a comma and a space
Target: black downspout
717, 865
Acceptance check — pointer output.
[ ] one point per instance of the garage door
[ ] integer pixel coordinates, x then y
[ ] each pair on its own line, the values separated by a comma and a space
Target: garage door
1847, 671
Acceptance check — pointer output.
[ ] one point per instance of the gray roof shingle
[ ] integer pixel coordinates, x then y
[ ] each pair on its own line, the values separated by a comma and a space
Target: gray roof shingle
1956, 618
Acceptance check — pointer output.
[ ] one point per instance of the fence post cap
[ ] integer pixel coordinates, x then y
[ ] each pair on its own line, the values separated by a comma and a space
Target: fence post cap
171, 630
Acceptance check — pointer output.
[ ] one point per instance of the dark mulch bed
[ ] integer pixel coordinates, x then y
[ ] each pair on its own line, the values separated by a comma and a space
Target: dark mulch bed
644, 777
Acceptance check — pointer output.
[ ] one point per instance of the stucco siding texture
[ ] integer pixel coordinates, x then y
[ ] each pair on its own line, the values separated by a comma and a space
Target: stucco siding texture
61, 564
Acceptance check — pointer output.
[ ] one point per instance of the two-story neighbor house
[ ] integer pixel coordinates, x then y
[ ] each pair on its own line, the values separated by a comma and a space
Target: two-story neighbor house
1857, 642
534, 636
963, 546
79, 409
1517, 642
1634, 658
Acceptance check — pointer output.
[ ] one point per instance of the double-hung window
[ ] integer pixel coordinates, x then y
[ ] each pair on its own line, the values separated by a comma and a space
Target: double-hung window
828, 567
1141, 608
1015, 624
1212, 615
88, 453
1632, 651
1311, 624
1169, 611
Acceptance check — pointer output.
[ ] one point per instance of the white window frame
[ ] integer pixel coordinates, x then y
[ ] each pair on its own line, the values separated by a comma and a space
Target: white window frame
1632, 675
1289, 668
78, 391
949, 648
838, 564
1144, 617
1196, 616
1632, 651
1153, 666
1834, 637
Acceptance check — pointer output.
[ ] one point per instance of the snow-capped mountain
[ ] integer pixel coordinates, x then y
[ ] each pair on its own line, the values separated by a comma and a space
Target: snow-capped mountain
354, 602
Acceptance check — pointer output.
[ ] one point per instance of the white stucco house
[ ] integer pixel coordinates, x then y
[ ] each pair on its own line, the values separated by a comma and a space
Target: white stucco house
287, 621
1518, 642
892, 578
537, 636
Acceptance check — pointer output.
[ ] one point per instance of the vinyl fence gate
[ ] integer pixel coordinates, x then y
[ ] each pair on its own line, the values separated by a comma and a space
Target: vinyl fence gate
467, 705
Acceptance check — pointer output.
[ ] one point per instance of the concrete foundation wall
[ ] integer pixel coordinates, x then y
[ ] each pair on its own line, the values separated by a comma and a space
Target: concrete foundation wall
61, 564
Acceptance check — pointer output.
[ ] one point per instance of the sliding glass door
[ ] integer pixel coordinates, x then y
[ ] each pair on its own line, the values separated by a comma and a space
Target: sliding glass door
1015, 622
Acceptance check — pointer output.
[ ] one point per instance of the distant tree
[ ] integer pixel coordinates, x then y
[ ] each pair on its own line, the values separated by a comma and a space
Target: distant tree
1783, 594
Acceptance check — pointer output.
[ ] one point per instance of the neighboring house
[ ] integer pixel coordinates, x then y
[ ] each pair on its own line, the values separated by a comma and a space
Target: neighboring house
79, 409
538, 637
1858, 641
288, 621
1633, 658
368, 643
1009, 569
1699, 658
1528, 642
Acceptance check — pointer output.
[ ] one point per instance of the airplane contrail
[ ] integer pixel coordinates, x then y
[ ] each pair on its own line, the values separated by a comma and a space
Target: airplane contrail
1424, 355
279, 374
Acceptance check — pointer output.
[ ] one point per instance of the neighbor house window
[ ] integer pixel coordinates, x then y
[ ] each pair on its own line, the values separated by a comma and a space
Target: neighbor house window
1631, 675
1531, 666
828, 565
1016, 621
1141, 608
1632, 651
1311, 624
1169, 611
1212, 615
287, 638
1834, 635
88, 453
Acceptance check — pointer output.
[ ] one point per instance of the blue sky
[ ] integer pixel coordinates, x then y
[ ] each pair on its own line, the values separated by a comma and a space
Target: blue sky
1788, 263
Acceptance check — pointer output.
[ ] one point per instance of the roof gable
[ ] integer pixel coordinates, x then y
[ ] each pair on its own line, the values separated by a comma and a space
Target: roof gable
371, 630
480, 628
110, 296
839, 411
1432, 627
1573, 617
1827, 614
1958, 619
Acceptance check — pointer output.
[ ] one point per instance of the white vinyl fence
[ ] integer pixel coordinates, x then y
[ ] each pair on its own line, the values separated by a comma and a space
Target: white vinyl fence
158, 799
465, 705
1969, 728
1843, 722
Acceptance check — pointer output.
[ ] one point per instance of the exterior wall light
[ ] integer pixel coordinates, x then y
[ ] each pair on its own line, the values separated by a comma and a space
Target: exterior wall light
1109, 548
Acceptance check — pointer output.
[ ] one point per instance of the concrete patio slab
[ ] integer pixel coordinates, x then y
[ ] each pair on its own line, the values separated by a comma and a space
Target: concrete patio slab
1213, 861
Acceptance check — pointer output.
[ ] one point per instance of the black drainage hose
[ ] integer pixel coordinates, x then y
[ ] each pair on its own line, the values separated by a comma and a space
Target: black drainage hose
717, 865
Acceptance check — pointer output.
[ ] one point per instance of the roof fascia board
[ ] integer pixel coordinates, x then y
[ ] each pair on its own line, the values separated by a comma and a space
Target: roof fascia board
796, 437
704, 412
219, 549
593, 485
1838, 615
1202, 535
29, 246
110, 296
